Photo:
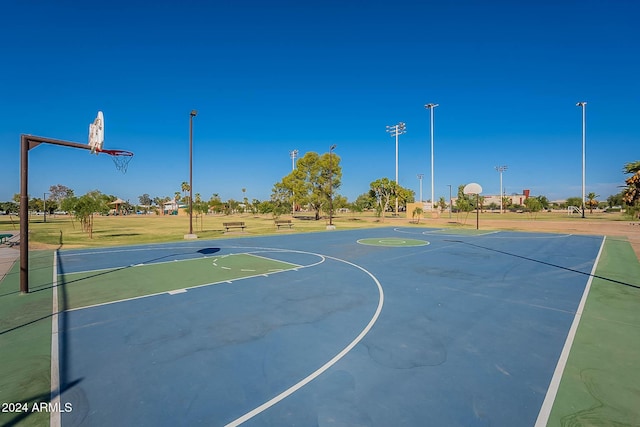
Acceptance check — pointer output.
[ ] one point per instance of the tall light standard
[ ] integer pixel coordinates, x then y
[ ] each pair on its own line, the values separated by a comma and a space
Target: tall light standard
191, 116
420, 176
293, 154
501, 169
395, 131
431, 107
333, 147
44, 206
583, 104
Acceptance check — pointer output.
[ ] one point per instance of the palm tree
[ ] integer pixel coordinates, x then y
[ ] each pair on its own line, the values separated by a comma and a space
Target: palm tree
592, 201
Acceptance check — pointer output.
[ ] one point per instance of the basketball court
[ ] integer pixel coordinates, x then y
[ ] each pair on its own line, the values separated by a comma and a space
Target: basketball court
387, 326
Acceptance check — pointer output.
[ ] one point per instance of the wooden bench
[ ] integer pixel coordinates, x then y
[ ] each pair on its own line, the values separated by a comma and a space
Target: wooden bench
228, 225
5, 237
283, 222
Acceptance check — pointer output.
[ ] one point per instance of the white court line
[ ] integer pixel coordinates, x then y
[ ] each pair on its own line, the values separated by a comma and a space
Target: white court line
54, 416
552, 391
327, 365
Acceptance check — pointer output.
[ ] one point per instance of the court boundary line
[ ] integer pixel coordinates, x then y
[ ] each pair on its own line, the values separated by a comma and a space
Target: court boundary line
54, 417
297, 386
554, 385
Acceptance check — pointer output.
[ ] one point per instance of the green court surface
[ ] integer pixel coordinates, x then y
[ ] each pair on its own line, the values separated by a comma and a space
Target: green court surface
25, 341
601, 381
104, 286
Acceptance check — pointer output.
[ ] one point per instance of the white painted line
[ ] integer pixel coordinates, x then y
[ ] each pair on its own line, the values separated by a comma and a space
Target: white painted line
54, 416
246, 269
177, 291
552, 391
327, 365
226, 268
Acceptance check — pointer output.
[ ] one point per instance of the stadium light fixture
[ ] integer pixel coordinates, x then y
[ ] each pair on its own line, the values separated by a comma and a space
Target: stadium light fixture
395, 131
431, 107
583, 104
501, 169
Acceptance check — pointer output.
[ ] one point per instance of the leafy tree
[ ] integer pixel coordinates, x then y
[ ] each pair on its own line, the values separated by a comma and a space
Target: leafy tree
616, 199
533, 206
364, 202
543, 201
58, 193
145, 200
86, 206
631, 196
310, 182
574, 201
382, 190
442, 203
464, 203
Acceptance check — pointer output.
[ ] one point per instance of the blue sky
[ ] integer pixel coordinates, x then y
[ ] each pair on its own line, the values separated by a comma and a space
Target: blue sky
270, 77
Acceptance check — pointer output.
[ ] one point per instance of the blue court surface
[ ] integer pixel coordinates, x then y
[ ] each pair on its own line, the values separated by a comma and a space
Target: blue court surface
425, 328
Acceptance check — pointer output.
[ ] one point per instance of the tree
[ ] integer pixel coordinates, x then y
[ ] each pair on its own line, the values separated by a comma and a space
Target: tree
364, 202
442, 203
631, 196
185, 187
592, 202
382, 190
543, 201
86, 206
574, 201
58, 193
533, 206
463, 203
417, 213
145, 200
315, 179
616, 199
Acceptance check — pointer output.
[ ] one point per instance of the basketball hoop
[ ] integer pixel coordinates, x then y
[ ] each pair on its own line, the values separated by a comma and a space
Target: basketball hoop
121, 158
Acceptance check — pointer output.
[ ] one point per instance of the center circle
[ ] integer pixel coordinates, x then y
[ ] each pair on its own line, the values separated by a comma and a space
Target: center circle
392, 241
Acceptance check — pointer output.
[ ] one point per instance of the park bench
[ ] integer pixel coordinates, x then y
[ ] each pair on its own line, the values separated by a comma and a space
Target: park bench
228, 225
5, 237
283, 222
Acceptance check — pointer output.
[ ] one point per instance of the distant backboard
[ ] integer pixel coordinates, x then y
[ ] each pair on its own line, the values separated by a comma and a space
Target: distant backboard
472, 188
96, 134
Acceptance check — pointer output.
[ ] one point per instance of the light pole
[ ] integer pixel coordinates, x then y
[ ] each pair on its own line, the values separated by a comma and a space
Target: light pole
583, 104
431, 107
44, 205
191, 116
333, 147
501, 169
293, 154
420, 176
450, 201
395, 131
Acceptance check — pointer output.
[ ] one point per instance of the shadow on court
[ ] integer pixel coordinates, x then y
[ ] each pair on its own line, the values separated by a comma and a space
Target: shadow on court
546, 263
